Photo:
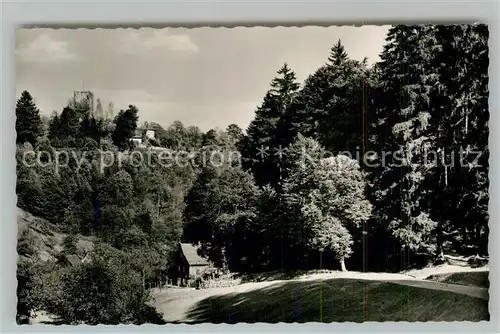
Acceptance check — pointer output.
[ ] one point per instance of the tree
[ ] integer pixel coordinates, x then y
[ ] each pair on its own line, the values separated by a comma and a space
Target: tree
118, 189
219, 202
461, 105
110, 111
81, 106
405, 131
64, 129
269, 131
104, 291
28, 123
234, 132
70, 243
99, 113
325, 201
30, 294
331, 106
210, 138
338, 55
93, 127
126, 124
263, 237
423, 110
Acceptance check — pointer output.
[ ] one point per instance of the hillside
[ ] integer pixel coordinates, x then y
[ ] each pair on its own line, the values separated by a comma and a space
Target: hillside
371, 297
38, 239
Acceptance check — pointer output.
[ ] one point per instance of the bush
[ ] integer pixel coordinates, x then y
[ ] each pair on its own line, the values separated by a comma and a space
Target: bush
26, 244
69, 244
219, 282
477, 261
31, 293
104, 291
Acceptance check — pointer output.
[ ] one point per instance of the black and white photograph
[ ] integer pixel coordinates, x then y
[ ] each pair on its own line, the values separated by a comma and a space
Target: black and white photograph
252, 174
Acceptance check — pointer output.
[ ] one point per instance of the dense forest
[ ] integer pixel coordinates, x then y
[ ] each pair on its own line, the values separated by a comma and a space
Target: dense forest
362, 167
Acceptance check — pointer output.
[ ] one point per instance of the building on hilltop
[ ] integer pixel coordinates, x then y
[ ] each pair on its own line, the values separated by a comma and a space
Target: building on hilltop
137, 138
142, 136
150, 134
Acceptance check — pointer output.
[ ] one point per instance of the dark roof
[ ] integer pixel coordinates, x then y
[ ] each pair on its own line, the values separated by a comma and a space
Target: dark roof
191, 254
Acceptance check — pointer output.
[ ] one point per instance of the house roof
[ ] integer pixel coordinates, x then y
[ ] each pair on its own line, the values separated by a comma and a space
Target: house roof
191, 254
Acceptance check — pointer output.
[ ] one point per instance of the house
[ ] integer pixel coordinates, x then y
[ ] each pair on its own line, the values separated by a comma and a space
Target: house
150, 134
137, 141
189, 264
137, 138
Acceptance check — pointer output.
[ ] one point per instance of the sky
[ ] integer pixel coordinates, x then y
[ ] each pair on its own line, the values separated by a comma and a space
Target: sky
209, 77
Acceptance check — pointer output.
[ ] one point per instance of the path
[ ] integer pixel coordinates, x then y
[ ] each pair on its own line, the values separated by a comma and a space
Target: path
443, 270
472, 291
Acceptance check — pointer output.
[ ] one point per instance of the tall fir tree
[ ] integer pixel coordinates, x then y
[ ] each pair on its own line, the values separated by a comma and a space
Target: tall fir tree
28, 123
338, 55
330, 105
99, 113
110, 112
405, 134
463, 134
268, 134
431, 115
64, 128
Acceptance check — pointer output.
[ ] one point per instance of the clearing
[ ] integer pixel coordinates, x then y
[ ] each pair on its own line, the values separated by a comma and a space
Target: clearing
328, 297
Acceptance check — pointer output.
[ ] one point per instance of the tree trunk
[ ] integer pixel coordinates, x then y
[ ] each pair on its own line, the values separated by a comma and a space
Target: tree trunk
439, 241
342, 264
478, 237
225, 263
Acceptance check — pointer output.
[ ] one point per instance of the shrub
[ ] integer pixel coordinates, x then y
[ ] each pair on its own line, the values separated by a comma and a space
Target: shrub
69, 244
104, 291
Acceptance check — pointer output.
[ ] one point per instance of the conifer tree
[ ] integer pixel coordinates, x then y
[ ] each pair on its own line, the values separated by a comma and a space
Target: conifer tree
99, 113
405, 133
110, 111
28, 124
424, 115
330, 105
268, 134
338, 55
64, 128
463, 132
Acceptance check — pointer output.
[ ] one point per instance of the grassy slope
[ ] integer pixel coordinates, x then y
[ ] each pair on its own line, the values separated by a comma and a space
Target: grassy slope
338, 300
473, 278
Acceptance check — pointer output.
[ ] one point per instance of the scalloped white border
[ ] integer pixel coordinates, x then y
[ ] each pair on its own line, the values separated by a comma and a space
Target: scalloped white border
114, 14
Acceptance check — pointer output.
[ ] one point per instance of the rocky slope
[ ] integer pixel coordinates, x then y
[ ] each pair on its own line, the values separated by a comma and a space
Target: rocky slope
40, 240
